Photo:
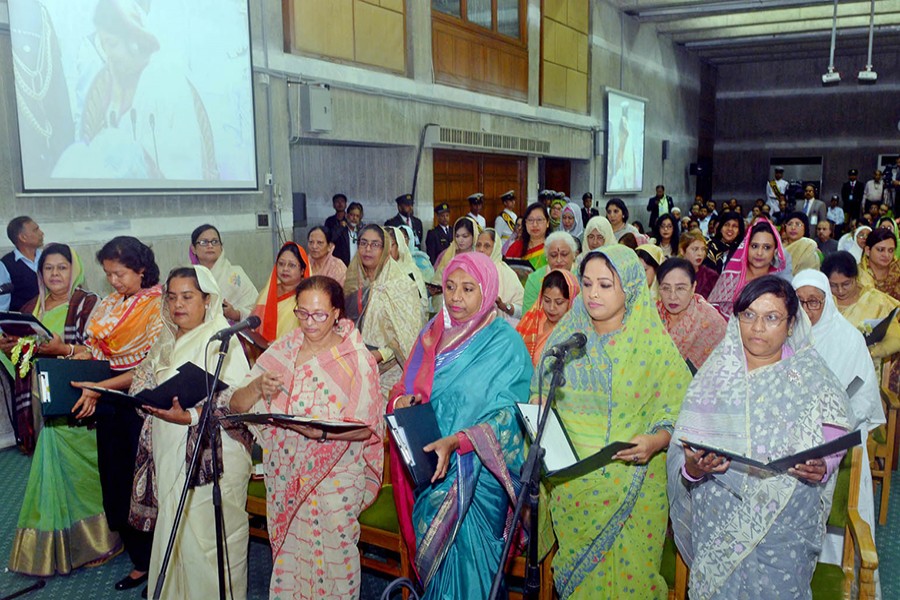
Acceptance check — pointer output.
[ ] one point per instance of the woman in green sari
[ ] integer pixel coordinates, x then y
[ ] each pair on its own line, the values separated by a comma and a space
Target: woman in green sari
626, 386
61, 525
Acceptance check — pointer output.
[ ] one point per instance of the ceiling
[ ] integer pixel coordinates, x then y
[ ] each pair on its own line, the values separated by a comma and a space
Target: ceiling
731, 31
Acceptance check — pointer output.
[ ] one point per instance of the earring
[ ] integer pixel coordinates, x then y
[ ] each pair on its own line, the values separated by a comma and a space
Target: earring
790, 332
207, 307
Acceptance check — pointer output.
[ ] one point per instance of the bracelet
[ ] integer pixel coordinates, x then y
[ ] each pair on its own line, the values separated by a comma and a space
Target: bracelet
71, 351
324, 436
195, 416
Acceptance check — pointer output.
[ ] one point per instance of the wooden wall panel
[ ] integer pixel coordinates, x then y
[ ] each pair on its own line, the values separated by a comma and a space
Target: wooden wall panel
457, 175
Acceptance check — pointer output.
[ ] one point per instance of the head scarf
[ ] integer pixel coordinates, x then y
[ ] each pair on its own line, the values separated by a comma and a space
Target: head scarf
448, 254
531, 327
269, 326
848, 242
734, 275
76, 280
408, 265
421, 259
561, 203
604, 228
578, 228
844, 350
656, 253
510, 290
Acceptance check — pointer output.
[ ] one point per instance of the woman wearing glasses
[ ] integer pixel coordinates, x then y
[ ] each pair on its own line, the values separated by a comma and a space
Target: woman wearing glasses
238, 292
275, 305
694, 325
748, 533
317, 481
531, 245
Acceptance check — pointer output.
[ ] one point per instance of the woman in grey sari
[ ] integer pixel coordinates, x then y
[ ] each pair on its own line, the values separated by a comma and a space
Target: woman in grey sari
745, 532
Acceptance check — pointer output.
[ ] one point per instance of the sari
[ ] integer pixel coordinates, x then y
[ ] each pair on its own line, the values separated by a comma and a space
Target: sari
600, 225
61, 524
332, 267
746, 533
408, 266
450, 253
890, 284
164, 456
420, 259
316, 491
534, 328
578, 228
656, 253
233, 282
511, 290
277, 312
472, 373
848, 242
734, 276
804, 255
610, 524
696, 331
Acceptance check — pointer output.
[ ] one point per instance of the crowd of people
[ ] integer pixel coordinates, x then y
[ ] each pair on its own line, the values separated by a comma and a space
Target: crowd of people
367, 319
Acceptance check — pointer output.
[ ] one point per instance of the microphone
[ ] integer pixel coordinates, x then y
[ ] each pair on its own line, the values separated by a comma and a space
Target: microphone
7, 288
576, 340
251, 322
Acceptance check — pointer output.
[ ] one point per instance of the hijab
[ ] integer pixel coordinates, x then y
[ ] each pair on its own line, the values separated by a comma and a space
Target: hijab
448, 254
76, 281
578, 228
848, 243
604, 228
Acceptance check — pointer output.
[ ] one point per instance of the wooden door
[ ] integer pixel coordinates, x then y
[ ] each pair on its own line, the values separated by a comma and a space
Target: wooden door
458, 175
558, 175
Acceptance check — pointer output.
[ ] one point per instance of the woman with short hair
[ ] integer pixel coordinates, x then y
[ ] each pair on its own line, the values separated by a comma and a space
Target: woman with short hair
322, 261
693, 247
535, 230
726, 241
275, 304
238, 292
617, 213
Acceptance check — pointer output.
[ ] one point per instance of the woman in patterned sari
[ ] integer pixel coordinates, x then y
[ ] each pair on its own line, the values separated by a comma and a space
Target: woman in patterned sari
318, 480
879, 268
472, 368
626, 386
558, 292
747, 533
275, 305
536, 229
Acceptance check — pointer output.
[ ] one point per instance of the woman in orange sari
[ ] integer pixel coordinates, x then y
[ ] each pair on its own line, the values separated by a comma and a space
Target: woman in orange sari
558, 292
276, 304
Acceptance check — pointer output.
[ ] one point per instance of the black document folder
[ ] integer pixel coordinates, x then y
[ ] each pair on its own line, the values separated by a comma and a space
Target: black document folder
190, 385
780, 465
880, 328
280, 419
412, 429
16, 324
54, 378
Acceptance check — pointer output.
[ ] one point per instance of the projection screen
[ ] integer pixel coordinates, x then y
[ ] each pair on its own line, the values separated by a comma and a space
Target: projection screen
624, 142
134, 95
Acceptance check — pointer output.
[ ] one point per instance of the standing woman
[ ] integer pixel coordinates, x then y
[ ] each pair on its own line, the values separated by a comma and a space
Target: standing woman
238, 292
666, 235
321, 259
803, 250
191, 314
558, 292
383, 303
61, 531
726, 240
692, 246
275, 305
531, 245
627, 386
472, 368
317, 481
694, 325
617, 213
879, 268
511, 293
598, 232
122, 329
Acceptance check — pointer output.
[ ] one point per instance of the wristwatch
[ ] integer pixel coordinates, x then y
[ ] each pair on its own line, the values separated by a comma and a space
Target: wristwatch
324, 436
509, 308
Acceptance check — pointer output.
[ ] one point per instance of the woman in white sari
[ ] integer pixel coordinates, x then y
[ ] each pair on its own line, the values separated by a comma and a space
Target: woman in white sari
511, 293
191, 313
238, 292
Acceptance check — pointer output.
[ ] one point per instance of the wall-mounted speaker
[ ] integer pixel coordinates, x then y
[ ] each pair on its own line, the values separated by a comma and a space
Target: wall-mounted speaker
665, 149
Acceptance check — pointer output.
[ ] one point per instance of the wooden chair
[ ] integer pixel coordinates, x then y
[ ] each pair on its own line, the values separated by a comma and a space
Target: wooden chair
516, 571
881, 450
833, 581
256, 499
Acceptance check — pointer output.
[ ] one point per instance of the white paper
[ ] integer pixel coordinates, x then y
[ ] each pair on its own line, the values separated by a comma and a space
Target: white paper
401, 441
558, 452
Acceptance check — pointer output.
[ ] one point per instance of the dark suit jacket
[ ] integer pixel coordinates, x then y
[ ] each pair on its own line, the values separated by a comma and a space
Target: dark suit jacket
851, 207
397, 221
585, 216
342, 243
438, 241
653, 208
333, 227
827, 247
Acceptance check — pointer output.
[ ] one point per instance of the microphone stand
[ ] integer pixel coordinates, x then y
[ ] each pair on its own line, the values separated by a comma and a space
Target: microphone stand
207, 421
530, 476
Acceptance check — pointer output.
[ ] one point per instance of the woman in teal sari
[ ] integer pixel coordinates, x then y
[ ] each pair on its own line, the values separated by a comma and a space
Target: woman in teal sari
472, 367
626, 386
61, 525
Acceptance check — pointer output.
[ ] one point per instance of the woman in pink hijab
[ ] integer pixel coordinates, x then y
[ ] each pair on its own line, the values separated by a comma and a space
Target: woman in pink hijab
471, 367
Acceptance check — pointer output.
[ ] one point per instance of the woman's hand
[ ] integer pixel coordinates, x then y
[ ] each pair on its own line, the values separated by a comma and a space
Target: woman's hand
268, 384
230, 312
444, 448
405, 401
813, 470
7, 343
377, 356
55, 347
176, 414
502, 306
699, 463
87, 403
645, 446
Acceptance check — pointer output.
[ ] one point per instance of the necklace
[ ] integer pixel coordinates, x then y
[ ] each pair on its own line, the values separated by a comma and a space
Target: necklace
34, 83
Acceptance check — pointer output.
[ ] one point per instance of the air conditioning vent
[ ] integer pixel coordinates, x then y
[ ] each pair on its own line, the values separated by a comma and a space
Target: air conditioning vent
437, 137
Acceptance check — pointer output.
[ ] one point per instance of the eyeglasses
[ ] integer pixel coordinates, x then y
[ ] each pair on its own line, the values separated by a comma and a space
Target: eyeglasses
536, 221
678, 290
303, 316
842, 286
770, 320
375, 245
812, 304
205, 243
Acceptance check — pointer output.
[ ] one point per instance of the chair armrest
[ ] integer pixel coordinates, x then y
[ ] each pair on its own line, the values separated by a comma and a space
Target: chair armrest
890, 399
862, 535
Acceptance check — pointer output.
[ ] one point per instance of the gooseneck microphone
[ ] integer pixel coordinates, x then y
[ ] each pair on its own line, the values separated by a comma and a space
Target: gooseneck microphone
575, 341
251, 322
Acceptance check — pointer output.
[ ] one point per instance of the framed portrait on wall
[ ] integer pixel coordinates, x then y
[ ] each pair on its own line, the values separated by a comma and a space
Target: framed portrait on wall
625, 115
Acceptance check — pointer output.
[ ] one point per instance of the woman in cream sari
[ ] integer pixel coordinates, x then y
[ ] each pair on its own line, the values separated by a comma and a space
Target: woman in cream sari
598, 232
803, 250
238, 292
511, 294
191, 313
403, 257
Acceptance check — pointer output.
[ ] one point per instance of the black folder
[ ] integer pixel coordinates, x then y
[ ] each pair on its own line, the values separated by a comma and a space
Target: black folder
412, 429
54, 378
879, 330
190, 385
16, 324
280, 419
781, 465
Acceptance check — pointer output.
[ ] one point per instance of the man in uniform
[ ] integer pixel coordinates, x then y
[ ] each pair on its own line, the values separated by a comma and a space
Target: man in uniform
406, 217
440, 237
476, 203
776, 189
505, 223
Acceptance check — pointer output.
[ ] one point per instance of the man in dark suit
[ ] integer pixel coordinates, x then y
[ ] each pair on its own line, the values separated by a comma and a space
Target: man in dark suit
588, 211
347, 237
440, 237
406, 217
812, 207
852, 193
335, 222
660, 204
827, 244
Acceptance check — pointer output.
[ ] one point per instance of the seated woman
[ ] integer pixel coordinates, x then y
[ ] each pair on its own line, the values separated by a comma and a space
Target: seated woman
191, 314
465, 232
530, 246
878, 267
238, 292
748, 533
844, 350
472, 368
803, 250
693, 324
726, 240
666, 235
598, 232
570, 221
617, 213
558, 292
322, 261
383, 303
420, 259
854, 242
651, 257
401, 255
759, 254
692, 246
511, 292
556, 207
610, 524
516, 235
561, 251
275, 305
64, 530
317, 480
